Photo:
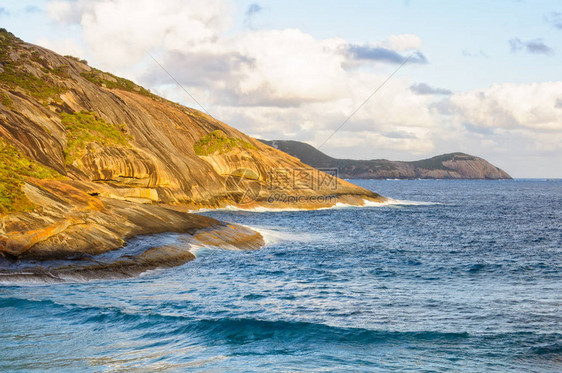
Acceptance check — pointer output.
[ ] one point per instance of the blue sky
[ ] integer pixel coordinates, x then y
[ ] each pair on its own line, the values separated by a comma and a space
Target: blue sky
491, 85
449, 29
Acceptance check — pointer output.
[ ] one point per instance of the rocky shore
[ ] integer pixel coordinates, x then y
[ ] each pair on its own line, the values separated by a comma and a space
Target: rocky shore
90, 160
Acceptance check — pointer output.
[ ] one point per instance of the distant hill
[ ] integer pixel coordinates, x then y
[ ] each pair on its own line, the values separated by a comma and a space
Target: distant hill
446, 166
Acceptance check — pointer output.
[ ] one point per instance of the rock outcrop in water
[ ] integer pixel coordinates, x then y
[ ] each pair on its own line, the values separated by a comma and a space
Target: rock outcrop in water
446, 166
90, 159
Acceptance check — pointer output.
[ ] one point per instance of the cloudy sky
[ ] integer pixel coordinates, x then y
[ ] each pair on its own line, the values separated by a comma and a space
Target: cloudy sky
481, 77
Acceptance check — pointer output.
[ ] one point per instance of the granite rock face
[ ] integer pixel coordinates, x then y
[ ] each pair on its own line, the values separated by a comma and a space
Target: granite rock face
125, 160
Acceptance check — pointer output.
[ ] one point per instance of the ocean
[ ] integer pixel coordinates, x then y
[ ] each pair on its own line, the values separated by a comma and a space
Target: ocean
458, 276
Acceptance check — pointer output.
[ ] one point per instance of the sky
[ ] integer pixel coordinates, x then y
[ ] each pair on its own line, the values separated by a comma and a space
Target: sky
480, 77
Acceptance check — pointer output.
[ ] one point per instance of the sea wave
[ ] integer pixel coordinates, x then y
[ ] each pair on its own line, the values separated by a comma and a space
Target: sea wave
252, 209
275, 235
243, 330
338, 205
152, 325
231, 330
399, 202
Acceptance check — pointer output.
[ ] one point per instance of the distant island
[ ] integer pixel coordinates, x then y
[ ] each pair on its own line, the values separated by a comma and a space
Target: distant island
446, 166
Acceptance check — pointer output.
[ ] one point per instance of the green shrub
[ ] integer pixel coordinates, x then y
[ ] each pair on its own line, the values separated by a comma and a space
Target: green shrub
436, 163
6, 101
7, 39
36, 57
62, 71
14, 167
14, 75
98, 77
38, 88
76, 59
86, 127
218, 142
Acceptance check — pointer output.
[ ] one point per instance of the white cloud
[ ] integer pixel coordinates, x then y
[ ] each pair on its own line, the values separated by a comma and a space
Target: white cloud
63, 46
511, 106
120, 33
67, 12
291, 64
403, 42
288, 84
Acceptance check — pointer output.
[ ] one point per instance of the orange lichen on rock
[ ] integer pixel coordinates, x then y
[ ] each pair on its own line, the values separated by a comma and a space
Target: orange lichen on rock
70, 194
16, 243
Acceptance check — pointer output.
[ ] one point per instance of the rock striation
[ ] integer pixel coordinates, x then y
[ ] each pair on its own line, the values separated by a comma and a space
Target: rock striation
90, 160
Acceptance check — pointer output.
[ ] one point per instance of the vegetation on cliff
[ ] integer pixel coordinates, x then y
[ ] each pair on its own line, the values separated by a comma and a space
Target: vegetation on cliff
43, 83
7, 39
6, 101
438, 162
40, 89
137, 145
218, 142
86, 127
111, 81
14, 168
14, 74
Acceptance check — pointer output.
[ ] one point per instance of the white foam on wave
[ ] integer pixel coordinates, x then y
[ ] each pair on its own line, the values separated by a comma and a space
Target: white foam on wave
271, 236
265, 209
24, 279
389, 202
45, 278
398, 202
338, 205
201, 250
275, 235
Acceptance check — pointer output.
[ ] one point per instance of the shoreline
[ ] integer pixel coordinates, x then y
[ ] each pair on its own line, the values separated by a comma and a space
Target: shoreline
135, 257
76, 227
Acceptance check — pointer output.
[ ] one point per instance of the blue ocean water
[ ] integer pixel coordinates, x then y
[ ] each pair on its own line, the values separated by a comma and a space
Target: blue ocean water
468, 280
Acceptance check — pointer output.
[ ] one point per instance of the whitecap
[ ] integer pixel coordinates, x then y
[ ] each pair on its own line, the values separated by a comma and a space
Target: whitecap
338, 205
398, 202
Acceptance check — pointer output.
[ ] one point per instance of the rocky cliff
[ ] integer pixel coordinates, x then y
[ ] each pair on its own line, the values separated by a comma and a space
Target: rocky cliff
446, 166
89, 159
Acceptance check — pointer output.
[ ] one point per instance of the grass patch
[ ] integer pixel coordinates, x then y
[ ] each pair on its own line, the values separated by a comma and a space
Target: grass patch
62, 71
51, 84
36, 57
13, 75
76, 59
6, 101
218, 142
436, 163
38, 88
7, 39
111, 81
14, 168
86, 127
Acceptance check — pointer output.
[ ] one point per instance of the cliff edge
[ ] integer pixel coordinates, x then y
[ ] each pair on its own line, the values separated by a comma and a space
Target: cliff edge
89, 159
